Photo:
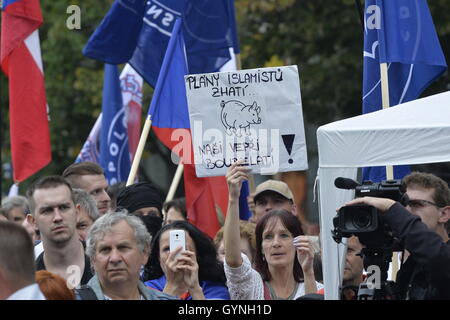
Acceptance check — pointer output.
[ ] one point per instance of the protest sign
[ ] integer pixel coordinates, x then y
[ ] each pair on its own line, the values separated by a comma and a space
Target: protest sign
253, 115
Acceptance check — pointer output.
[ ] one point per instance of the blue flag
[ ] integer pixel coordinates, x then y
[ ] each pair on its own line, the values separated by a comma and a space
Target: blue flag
168, 108
116, 37
400, 33
129, 33
91, 149
244, 210
169, 113
114, 150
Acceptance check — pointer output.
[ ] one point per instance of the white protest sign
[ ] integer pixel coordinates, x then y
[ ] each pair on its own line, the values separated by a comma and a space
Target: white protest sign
253, 115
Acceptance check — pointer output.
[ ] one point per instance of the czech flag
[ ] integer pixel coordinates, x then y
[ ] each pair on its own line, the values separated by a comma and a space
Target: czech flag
21, 61
170, 122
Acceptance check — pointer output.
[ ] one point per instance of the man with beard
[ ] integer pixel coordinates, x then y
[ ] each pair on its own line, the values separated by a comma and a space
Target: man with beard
53, 207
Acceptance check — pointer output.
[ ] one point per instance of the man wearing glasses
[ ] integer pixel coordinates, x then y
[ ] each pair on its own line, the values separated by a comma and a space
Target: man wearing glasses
422, 226
429, 198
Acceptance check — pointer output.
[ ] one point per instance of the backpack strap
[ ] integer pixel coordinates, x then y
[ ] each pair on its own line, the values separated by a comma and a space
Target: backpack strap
85, 293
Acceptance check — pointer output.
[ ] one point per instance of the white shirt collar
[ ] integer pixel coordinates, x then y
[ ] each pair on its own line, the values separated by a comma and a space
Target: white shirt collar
31, 292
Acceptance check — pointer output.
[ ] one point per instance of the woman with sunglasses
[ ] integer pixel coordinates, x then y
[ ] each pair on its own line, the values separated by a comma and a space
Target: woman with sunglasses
283, 267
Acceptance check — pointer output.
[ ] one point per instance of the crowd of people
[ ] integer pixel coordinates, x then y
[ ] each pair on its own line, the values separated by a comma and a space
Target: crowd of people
75, 237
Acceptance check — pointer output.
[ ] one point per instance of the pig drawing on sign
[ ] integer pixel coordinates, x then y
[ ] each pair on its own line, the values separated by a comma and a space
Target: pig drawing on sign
236, 116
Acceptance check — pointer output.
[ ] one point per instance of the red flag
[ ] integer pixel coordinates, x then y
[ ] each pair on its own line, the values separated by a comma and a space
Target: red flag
20, 58
205, 197
131, 84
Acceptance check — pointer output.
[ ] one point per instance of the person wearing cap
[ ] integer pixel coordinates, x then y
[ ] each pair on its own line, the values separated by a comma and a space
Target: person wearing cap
273, 194
141, 198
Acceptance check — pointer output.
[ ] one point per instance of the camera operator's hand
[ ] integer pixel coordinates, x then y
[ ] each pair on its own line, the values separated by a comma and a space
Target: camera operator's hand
381, 204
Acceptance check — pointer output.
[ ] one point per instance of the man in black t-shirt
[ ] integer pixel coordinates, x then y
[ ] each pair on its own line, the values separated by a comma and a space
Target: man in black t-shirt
52, 205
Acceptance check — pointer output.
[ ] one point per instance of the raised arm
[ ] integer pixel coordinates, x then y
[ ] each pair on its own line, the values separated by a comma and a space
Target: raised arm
181, 273
236, 175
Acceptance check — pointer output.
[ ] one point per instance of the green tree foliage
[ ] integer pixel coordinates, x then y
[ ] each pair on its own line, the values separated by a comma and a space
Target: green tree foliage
73, 82
325, 39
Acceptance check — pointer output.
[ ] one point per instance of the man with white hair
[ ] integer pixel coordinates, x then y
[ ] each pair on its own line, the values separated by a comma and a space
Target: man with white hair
16, 208
118, 246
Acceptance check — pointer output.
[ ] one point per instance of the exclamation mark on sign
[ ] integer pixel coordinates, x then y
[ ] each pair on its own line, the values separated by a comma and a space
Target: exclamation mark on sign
288, 140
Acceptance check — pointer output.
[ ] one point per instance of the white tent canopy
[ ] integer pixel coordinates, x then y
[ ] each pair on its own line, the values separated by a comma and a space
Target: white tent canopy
411, 133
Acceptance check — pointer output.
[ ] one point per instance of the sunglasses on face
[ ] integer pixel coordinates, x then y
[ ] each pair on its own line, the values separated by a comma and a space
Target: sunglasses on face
416, 204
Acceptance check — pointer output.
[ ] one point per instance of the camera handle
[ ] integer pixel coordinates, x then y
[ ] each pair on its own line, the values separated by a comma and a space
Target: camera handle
380, 257
384, 290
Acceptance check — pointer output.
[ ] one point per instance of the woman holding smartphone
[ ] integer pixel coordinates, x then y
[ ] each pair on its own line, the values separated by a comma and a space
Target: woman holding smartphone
283, 267
191, 274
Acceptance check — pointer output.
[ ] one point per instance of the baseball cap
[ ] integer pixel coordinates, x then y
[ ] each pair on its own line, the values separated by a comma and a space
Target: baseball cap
277, 186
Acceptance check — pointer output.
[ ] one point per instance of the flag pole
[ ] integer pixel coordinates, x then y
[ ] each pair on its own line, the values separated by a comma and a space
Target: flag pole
389, 169
385, 102
139, 150
144, 136
148, 121
175, 181
174, 185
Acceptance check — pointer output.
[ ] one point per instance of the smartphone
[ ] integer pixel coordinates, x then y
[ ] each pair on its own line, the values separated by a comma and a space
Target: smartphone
177, 239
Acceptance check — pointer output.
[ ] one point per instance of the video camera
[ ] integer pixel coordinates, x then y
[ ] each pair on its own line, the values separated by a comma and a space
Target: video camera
362, 220
367, 224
